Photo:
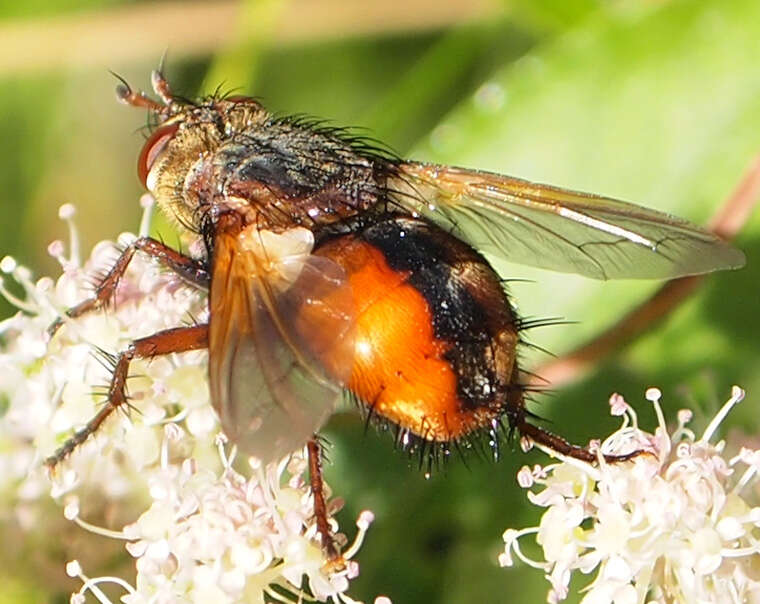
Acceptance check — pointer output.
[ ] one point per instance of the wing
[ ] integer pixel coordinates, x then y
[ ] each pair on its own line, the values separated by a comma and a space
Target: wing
280, 341
558, 229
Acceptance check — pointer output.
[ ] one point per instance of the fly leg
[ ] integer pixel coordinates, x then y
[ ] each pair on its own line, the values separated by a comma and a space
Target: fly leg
318, 492
518, 419
189, 269
168, 341
560, 445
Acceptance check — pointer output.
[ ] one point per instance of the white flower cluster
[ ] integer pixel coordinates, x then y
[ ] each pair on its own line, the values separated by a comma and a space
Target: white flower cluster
208, 531
675, 524
54, 386
224, 538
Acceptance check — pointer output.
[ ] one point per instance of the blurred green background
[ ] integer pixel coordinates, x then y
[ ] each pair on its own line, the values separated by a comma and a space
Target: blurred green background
652, 101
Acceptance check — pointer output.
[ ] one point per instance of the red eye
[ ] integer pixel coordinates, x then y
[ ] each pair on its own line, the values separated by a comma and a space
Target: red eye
151, 150
238, 98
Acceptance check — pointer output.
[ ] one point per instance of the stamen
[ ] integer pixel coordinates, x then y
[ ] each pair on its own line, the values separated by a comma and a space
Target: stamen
737, 395
74, 569
14, 300
682, 432
56, 249
512, 540
618, 406
653, 395
92, 585
100, 530
280, 598
66, 213
525, 477
363, 523
749, 473
71, 512
147, 203
8, 264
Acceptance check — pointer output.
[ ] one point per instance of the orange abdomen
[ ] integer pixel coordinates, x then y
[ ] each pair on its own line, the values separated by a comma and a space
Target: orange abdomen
437, 374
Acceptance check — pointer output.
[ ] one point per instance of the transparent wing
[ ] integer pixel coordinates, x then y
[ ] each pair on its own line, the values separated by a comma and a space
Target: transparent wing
558, 229
280, 351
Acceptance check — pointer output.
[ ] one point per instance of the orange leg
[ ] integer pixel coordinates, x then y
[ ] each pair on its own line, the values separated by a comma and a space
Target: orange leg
189, 269
178, 339
318, 491
560, 445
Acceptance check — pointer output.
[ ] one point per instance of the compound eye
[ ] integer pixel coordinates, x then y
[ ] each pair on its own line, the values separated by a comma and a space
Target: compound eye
152, 149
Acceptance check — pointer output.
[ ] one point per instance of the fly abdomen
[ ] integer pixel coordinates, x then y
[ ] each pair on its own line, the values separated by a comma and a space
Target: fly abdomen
435, 335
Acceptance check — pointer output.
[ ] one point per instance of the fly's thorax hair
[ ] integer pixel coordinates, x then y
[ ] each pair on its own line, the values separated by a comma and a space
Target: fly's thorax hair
219, 156
286, 172
180, 175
